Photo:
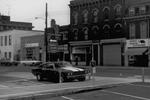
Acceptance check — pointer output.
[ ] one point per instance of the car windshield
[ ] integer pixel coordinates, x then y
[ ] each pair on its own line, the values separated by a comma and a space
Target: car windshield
63, 64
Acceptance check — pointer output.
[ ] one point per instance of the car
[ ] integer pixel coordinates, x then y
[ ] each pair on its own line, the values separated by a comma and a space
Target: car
30, 62
60, 71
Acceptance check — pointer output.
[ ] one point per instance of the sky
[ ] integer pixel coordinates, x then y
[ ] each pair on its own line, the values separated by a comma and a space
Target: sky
27, 10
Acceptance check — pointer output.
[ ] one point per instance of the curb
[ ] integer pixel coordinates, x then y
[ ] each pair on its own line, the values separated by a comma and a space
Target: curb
50, 94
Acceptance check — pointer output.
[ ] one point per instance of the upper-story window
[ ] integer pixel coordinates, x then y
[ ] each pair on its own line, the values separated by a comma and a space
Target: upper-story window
85, 16
132, 31
75, 18
85, 30
65, 36
1, 40
106, 29
5, 40
117, 9
10, 40
143, 30
75, 34
106, 12
95, 15
142, 10
131, 11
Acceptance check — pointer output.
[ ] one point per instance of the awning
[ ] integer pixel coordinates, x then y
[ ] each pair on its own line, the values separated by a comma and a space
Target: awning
135, 51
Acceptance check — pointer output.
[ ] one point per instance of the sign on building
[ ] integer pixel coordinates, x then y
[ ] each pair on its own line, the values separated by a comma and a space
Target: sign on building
138, 43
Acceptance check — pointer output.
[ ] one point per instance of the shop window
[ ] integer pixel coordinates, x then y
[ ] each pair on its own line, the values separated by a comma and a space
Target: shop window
29, 53
132, 31
1, 40
143, 30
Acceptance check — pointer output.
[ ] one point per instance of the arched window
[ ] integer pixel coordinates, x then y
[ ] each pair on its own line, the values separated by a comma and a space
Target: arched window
85, 16
106, 12
85, 30
75, 32
75, 18
95, 15
118, 27
95, 30
117, 9
106, 28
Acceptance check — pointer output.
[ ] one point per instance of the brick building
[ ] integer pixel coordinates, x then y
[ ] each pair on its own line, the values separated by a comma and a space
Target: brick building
7, 24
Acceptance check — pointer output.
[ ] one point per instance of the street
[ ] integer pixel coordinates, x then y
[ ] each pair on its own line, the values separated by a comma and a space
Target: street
21, 79
134, 91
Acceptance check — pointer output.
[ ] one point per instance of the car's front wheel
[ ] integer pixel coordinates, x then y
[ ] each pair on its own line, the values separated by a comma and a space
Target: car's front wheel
39, 77
81, 79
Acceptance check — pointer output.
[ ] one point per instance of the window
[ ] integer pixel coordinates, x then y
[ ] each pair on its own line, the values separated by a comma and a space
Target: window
132, 30
1, 40
131, 11
85, 16
5, 40
142, 10
10, 40
86, 33
143, 30
95, 15
118, 9
9, 55
65, 36
5, 55
75, 34
106, 12
75, 16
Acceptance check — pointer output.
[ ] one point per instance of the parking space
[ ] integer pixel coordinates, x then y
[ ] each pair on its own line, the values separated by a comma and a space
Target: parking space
134, 91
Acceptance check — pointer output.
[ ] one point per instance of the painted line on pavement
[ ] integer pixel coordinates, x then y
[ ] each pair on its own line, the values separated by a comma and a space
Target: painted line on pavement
139, 85
67, 98
127, 95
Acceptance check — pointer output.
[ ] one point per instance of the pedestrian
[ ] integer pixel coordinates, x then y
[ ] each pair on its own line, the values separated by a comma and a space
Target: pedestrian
93, 65
76, 61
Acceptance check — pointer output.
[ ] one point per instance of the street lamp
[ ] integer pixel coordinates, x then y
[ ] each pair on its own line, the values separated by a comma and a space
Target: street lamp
45, 34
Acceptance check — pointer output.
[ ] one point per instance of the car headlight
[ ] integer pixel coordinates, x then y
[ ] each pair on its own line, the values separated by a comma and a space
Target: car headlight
69, 74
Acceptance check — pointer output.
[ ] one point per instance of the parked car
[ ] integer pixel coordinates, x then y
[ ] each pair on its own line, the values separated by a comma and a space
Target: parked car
6, 62
52, 70
30, 62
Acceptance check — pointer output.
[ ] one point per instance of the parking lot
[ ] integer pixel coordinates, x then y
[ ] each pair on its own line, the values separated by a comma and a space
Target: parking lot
133, 91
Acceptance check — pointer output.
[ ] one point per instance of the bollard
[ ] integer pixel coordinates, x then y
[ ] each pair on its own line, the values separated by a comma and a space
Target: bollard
60, 76
143, 76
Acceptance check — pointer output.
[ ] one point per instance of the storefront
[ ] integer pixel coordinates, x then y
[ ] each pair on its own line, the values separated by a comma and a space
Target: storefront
112, 52
136, 52
83, 51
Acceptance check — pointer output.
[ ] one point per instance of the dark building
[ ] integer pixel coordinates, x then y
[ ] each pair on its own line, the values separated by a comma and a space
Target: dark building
93, 21
112, 32
7, 24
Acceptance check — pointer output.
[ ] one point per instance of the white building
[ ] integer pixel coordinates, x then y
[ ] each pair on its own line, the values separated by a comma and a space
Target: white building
10, 42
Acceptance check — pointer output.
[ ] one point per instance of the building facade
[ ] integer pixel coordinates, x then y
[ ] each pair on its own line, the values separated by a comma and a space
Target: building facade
7, 24
10, 43
32, 48
94, 26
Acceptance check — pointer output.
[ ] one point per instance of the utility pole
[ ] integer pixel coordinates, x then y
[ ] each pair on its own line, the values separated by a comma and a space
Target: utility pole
45, 38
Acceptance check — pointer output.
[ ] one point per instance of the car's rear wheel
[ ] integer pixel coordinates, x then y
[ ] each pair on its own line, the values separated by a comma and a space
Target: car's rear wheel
39, 77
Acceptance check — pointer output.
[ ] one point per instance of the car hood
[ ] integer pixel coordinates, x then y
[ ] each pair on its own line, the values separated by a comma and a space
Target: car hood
74, 69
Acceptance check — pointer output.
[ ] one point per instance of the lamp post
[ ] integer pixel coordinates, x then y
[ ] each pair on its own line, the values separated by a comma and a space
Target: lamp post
45, 35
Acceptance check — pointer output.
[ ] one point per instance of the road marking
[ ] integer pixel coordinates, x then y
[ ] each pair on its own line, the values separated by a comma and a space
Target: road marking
3, 86
132, 96
140, 85
67, 98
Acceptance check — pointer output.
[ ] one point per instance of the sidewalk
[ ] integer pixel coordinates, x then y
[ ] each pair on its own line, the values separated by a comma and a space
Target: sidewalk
51, 90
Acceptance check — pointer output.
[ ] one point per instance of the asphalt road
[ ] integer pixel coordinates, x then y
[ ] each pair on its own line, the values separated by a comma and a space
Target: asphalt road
134, 91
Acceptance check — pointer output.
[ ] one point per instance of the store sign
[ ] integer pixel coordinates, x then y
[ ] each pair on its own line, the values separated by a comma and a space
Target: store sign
138, 43
32, 45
